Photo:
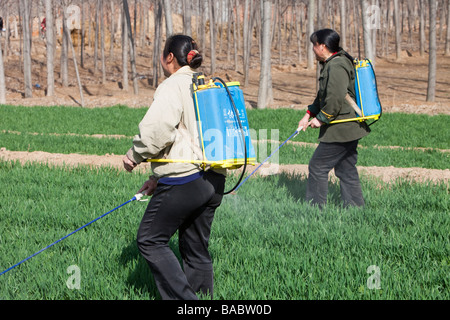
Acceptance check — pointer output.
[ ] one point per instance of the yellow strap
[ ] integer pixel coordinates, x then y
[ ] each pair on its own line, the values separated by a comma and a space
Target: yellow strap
374, 117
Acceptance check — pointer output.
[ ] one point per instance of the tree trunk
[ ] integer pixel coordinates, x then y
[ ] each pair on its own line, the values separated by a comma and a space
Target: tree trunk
386, 28
375, 27
111, 39
125, 44
212, 36
64, 51
279, 38
97, 12
310, 52
230, 21
132, 48
235, 39
69, 39
187, 17
135, 34
238, 27
319, 26
441, 6
248, 43
422, 28
6, 46
202, 32
168, 16
447, 41
2, 79
157, 42
343, 25
356, 18
50, 48
26, 7
83, 33
368, 46
219, 27
102, 41
431, 91
265, 88
298, 29
398, 30
410, 11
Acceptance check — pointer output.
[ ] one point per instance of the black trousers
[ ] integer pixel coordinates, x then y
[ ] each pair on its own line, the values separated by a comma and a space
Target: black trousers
188, 208
342, 157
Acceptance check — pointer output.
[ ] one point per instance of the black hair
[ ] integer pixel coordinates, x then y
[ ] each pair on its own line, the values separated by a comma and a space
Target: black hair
328, 37
180, 45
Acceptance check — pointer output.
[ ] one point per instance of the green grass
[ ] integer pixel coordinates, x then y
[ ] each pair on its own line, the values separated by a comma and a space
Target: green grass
431, 159
266, 243
112, 120
393, 129
64, 143
49, 129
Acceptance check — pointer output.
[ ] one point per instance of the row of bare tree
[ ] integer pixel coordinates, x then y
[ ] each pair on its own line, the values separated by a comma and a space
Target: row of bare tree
274, 31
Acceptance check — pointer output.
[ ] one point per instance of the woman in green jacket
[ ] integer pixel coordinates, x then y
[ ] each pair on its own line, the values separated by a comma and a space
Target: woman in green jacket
337, 142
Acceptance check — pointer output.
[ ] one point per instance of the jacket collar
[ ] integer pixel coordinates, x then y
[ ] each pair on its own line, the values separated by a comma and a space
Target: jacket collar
334, 55
184, 70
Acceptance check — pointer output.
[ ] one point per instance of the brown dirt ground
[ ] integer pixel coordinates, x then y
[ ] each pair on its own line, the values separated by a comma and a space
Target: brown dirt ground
402, 88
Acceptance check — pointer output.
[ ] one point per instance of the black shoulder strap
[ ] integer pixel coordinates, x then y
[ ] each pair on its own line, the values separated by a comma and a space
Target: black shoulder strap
348, 56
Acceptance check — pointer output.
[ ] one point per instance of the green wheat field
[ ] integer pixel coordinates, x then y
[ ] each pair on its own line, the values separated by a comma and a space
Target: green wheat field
266, 242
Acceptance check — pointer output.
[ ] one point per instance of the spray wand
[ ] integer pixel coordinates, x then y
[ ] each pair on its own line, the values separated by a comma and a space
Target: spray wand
291, 137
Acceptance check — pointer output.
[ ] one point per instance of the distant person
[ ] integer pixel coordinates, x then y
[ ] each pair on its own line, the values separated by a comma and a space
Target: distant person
185, 197
43, 25
337, 142
1, 24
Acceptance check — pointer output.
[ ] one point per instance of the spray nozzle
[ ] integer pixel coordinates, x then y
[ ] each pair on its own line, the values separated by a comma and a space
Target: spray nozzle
298, 131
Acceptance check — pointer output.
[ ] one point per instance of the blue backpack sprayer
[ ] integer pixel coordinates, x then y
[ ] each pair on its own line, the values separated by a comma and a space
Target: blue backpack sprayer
221, 107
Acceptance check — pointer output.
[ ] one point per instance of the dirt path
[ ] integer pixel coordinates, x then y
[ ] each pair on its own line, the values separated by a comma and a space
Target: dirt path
386, 174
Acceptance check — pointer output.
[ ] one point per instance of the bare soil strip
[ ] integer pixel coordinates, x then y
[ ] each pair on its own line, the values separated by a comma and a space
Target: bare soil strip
385, 174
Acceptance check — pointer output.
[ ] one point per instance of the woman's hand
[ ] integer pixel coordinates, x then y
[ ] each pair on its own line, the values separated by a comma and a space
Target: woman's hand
128, 164
304, 123
315, 123
149, 186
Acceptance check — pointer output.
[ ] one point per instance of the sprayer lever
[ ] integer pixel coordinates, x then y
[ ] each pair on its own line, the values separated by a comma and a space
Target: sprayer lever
139, 196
